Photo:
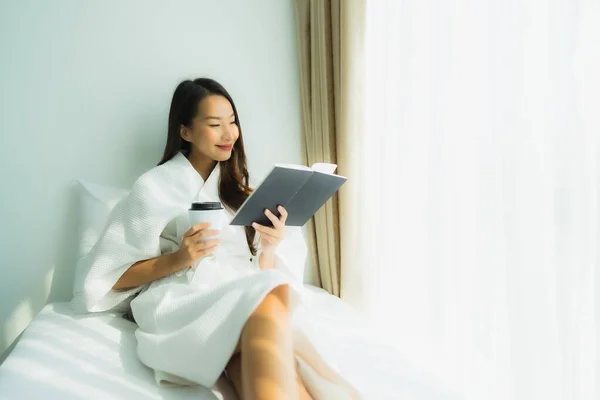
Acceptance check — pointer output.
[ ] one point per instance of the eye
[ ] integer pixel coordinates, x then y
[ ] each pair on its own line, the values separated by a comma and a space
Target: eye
233, 123
214, 125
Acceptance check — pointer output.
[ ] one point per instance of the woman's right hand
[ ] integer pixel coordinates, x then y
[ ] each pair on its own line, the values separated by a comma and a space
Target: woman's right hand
194, 247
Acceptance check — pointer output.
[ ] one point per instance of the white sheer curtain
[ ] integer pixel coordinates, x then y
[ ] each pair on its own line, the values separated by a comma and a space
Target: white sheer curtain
479, 209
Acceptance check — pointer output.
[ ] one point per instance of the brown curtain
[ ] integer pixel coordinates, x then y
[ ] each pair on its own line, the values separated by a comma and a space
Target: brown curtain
327, 36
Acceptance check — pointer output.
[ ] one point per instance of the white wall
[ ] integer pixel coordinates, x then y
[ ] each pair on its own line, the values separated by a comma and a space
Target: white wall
84, 92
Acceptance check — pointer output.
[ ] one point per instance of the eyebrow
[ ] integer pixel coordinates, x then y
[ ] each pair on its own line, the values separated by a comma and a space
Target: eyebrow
232, 115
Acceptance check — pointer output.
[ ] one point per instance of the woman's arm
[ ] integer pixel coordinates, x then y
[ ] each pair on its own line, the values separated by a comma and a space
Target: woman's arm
266, 261
270, 237
288, 255
192, 249
146, 271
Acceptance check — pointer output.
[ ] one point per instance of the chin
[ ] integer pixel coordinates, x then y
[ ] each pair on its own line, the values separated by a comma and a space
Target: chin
222, 157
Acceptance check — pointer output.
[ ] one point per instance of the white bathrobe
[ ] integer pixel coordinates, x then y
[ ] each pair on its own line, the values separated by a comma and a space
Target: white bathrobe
190, 322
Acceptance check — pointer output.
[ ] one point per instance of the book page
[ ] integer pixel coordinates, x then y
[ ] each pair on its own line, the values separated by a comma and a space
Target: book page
293, 166
324, 168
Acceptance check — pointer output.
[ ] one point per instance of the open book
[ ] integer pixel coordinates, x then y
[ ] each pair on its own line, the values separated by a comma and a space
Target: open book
300, 190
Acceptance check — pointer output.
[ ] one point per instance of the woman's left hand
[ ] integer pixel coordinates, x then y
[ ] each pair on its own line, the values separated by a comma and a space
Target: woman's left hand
271, 237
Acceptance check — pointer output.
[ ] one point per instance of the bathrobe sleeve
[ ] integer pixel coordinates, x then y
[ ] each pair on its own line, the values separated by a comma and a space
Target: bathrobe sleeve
132, 234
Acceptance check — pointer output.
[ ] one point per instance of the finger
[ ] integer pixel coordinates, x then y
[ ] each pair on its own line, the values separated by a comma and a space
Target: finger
205, 233
205, 252
284, 214
264, 230
200, 248
273, 218
189, 232
270, 239
202, 225
208, 244
196, 228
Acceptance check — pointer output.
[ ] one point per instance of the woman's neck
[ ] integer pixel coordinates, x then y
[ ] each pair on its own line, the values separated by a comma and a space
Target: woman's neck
202, 164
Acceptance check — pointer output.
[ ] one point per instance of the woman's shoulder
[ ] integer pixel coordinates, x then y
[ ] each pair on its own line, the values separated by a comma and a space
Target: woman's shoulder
155, 174
173, 178
143, 192
149, 179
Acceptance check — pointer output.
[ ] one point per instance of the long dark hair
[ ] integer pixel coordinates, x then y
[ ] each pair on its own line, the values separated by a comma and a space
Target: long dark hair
234, 178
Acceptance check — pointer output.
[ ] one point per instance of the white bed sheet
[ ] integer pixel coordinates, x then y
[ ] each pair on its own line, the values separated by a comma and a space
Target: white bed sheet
62, 355
377, 370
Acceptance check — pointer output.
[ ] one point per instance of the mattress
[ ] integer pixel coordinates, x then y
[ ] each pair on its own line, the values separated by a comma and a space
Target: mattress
62, 355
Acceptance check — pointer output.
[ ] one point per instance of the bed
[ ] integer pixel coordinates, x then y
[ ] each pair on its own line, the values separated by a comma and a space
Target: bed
64, 355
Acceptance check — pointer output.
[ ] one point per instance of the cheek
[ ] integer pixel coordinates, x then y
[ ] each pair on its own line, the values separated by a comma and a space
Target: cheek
213, 136
207, 136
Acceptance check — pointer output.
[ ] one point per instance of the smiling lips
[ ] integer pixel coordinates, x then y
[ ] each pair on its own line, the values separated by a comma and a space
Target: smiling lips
226, 148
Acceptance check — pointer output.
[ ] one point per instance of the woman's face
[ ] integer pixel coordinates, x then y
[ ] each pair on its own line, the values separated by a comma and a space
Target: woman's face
213, 131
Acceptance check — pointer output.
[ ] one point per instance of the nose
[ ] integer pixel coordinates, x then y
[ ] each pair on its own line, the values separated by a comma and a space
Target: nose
228, 131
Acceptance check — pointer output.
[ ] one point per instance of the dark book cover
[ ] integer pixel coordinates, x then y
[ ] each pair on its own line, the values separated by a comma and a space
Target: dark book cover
300, 190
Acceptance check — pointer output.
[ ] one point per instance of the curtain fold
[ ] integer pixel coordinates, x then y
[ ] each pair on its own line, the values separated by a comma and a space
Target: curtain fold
355, 256
318, 52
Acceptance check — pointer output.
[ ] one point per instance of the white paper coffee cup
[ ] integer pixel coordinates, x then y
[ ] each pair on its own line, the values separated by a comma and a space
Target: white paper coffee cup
207, 212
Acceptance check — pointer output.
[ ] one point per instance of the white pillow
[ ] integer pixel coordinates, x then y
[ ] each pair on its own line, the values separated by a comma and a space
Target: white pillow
96, 201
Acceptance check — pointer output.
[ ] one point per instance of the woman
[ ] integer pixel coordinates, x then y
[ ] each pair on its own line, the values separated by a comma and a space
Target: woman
206, 306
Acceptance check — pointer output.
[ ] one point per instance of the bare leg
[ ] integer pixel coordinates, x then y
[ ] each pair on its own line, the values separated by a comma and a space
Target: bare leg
268, 352
265, 368
234, 372
304, 395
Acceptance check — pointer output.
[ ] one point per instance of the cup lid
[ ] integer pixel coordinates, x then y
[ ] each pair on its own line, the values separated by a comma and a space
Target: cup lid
208, 205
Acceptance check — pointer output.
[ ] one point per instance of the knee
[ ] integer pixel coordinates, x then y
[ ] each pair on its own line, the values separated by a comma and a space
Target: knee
275, 302
279, 294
